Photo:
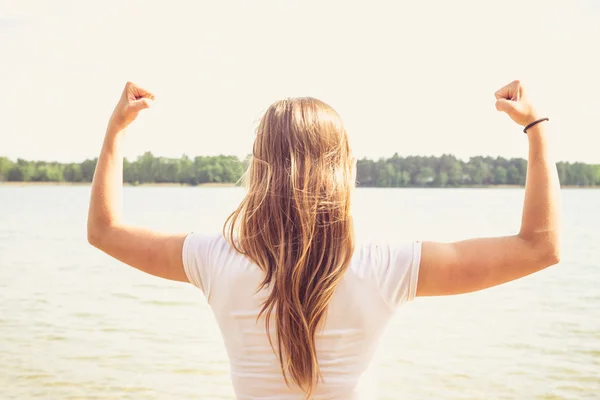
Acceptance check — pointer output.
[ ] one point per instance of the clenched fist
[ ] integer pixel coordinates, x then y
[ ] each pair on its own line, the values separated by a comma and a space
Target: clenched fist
132, 101
513, 100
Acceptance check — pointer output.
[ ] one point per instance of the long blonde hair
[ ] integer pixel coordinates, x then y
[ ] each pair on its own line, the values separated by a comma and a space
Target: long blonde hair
295, 224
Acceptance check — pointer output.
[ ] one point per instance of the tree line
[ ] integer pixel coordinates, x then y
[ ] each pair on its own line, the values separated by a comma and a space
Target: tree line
396, 171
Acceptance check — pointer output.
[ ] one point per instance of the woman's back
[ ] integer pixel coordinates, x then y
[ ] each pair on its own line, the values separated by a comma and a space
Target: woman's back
324, 299
379, 278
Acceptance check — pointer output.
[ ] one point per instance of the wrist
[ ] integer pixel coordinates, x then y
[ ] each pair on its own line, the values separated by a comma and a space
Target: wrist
532, 116
114, 128
534, 123
113, 137
536, 135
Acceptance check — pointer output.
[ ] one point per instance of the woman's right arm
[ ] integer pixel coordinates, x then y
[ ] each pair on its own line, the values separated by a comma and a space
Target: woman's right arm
475, 264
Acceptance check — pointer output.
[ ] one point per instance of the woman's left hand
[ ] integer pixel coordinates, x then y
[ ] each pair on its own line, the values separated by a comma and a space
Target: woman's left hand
133, 100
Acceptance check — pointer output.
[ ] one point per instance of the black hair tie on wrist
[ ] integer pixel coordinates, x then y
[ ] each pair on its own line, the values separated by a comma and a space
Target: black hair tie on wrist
535, 123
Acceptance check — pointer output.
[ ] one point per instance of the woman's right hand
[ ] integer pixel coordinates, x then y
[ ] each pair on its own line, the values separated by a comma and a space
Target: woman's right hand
513, 100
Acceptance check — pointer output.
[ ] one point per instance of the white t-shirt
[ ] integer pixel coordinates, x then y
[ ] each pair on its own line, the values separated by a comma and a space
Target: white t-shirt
380, 277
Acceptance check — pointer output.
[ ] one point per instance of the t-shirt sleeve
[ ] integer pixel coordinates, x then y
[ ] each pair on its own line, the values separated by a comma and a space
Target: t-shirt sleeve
196, 260
398, 271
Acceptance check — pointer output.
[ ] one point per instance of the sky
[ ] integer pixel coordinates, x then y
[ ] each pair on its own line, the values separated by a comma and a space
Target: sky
412, 77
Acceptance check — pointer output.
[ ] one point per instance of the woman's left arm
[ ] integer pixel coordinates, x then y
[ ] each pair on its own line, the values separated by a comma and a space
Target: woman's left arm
155, 253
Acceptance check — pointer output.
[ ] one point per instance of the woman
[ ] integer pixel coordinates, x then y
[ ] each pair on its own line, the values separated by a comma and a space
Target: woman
287, 262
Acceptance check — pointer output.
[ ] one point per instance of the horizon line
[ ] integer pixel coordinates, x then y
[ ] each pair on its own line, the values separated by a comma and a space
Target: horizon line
463, 159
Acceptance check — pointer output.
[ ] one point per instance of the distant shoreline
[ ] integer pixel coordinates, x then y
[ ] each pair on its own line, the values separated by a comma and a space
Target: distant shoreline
221, 185
170, 184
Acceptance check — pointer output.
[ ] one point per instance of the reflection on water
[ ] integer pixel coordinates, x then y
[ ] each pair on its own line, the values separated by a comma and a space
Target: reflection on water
76, 324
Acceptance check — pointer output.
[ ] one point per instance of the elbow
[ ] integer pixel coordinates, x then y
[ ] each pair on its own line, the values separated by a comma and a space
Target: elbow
96, 234
553, 255
546, 255
552, 249
545, 249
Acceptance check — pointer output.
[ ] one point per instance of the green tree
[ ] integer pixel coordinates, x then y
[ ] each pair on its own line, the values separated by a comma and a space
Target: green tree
5, 166
396, 171
72, 173
513, 175
500, 175
425, 176
15, 174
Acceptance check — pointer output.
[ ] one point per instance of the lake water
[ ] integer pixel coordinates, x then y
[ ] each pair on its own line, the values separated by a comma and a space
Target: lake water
74, 324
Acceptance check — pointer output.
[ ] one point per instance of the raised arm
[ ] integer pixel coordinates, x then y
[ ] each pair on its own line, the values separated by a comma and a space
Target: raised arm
470, 265
155, 253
